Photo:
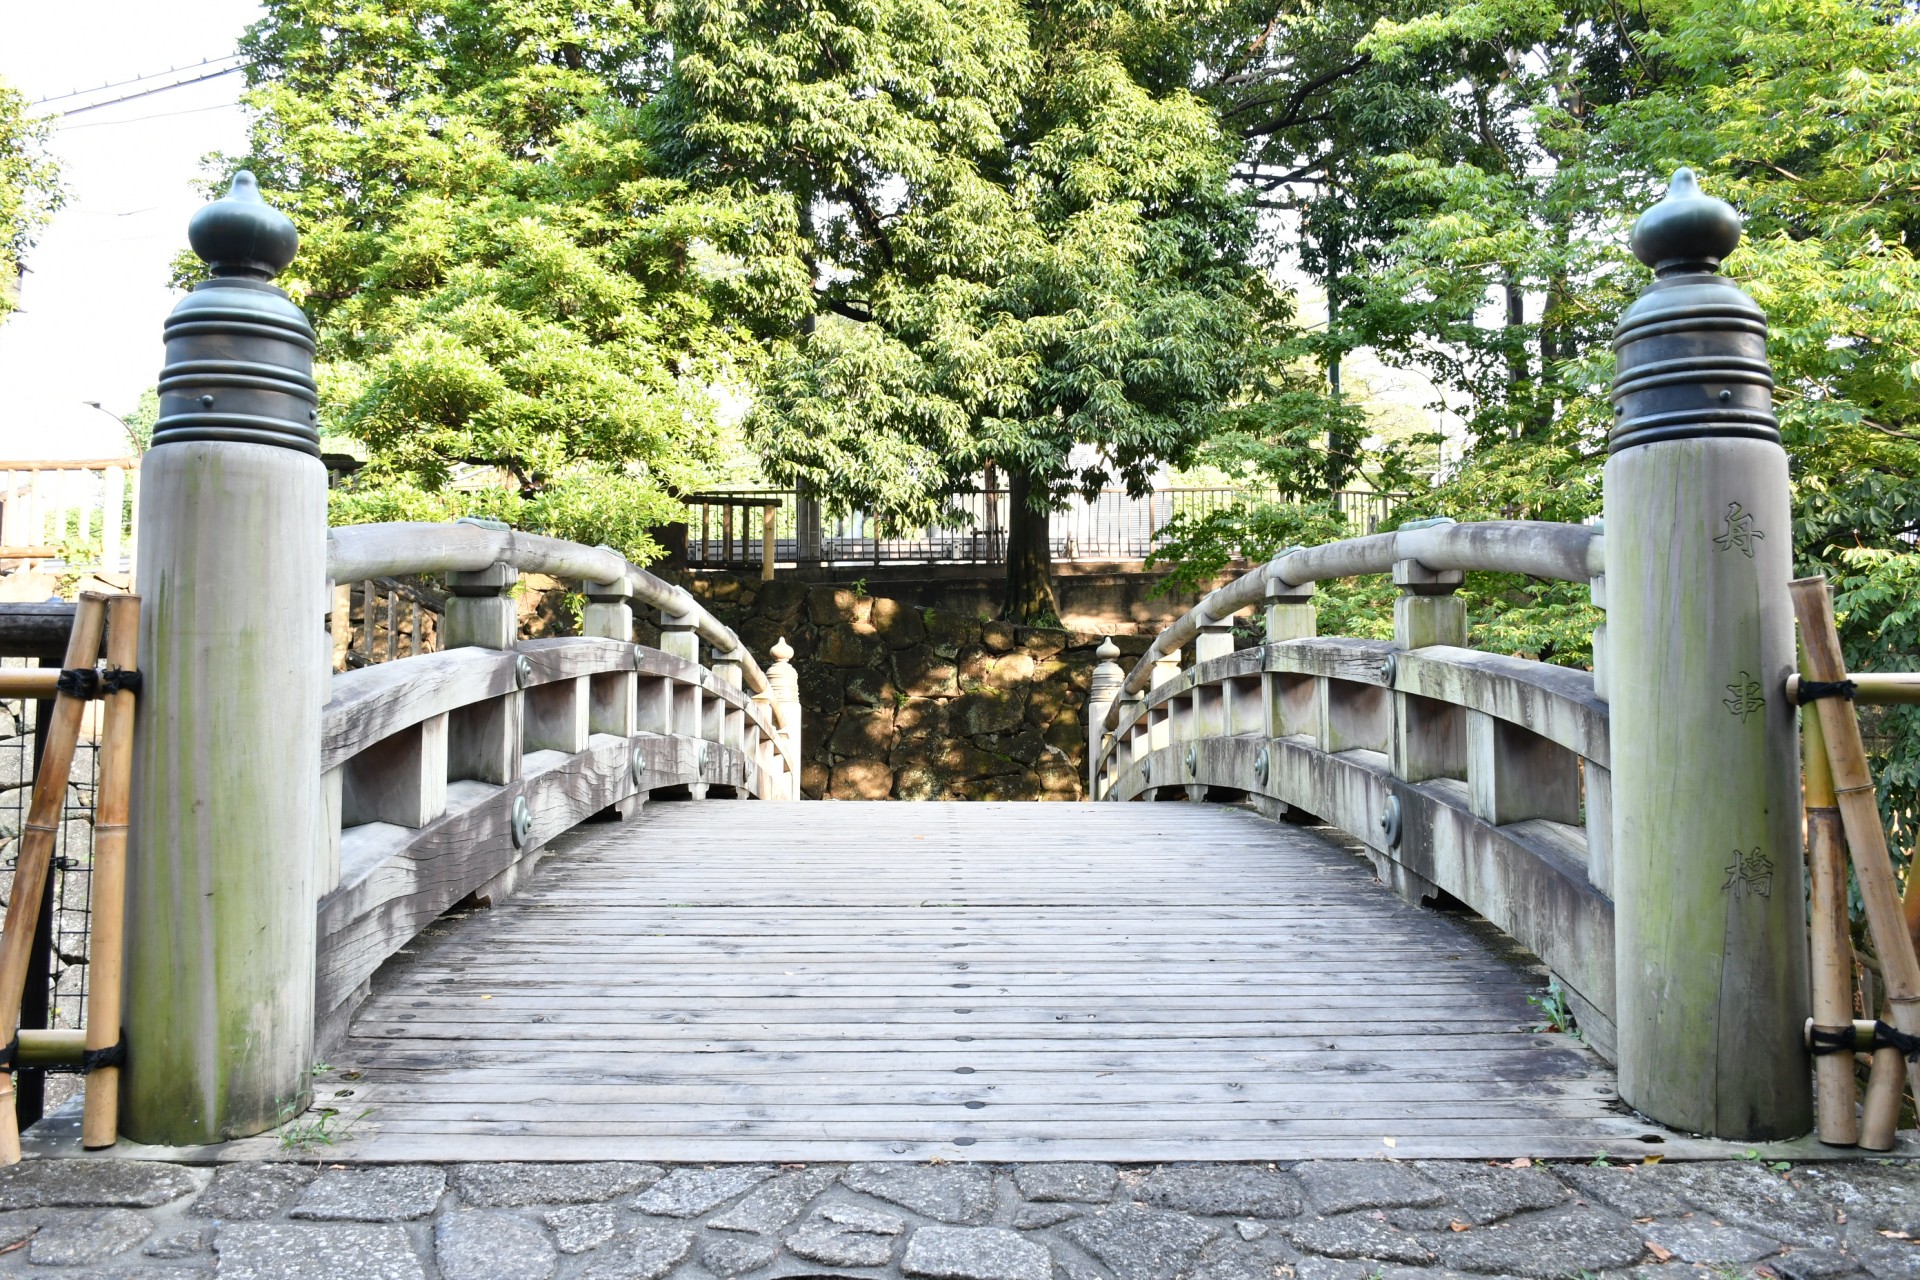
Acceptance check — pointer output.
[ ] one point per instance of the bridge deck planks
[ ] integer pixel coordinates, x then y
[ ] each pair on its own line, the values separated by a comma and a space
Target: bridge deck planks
987, 981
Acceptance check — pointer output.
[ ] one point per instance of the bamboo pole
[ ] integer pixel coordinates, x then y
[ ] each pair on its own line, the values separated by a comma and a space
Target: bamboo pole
1859, 814
59, 1047
1835, 1094
1876, 688
100, 1122
35, 684
36, 849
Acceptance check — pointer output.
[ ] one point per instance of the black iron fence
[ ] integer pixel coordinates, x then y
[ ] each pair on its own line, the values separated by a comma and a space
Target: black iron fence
55, 993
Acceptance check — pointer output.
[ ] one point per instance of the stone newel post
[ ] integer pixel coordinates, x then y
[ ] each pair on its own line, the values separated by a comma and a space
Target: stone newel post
226, 821
1711, 939
1103, 689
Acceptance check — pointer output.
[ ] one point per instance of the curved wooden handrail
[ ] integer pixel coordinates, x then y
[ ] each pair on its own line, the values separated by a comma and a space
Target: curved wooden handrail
358, 552
1536, 548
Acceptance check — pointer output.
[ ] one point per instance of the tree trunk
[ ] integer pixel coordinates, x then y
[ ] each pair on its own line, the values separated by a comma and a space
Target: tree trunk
1029, 557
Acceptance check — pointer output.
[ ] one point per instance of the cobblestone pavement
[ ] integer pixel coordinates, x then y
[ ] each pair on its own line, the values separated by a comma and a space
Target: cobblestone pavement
1344, 1220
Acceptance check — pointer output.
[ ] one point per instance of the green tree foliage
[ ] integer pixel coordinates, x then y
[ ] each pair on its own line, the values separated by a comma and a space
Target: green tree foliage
504, 283
1007, 231
30, 189
1464, 177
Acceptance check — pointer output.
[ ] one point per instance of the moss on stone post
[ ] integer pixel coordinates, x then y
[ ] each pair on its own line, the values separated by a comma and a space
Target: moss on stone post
1711, 937
226, 822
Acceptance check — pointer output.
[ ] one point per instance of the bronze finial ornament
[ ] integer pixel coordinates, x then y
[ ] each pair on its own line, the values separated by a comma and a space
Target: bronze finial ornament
1691, 352
239, 353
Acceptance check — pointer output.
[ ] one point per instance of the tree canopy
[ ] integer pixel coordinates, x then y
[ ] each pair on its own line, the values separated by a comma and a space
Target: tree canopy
30, 188
1007, 238
503, 278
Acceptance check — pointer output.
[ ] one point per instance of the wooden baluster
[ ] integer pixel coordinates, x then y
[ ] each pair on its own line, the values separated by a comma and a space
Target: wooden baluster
393, 630
1103, 689
768, 514
112, 510
783, 685
340, 623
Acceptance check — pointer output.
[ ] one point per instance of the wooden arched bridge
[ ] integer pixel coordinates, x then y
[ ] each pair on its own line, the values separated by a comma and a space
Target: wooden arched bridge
1340, 945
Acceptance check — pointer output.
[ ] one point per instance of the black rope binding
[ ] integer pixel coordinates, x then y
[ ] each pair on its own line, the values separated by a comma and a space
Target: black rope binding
10, 1056
112, 1056
1888, 1037
88, 683
1831, 1040
1811, 689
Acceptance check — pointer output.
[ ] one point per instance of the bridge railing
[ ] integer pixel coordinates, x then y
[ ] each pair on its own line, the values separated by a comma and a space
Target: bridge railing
294, 826
1637, 827
1483, 776
444, 774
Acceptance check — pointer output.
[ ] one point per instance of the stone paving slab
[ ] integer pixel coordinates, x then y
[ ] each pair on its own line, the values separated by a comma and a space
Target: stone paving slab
1318, 1220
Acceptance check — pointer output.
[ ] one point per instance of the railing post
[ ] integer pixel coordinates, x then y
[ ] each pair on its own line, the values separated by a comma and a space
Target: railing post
1215, 640
1428, 610
783, 684
480, 609
1103, 688
679, 635
227, 817
1711, 933
609, 613
1290, 611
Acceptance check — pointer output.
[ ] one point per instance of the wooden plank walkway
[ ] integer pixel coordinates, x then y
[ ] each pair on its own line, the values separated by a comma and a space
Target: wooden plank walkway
823, 981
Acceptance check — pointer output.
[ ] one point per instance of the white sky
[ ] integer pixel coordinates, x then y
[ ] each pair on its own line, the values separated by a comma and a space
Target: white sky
96, 291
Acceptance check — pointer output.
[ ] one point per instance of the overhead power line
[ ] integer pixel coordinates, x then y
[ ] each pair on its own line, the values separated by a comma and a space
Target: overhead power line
148, 93
121, 84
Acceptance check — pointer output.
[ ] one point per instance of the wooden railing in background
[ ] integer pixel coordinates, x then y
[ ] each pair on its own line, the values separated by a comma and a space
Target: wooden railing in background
80, 514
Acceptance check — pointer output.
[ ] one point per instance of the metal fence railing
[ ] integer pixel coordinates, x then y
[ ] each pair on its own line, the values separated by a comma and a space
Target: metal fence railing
731, 529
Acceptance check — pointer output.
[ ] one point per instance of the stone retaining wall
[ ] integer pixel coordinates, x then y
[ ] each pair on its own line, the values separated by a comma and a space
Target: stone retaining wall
908, 703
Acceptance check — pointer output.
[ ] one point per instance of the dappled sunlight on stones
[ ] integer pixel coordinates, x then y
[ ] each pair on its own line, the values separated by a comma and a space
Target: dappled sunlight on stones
1081, 1182
131, 1184
1423, 1220
974, 1253
950, 1193
1140, 1244
1339, 1186
581, 1227
504, 1186
644, 1253
688, 1193
1547, 1245
491, 1245
282, 1251
77, 1237
396, 1194
249, 1192
1223, 1189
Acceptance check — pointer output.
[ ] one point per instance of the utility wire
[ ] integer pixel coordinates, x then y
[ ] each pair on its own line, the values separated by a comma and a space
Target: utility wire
158, 115
147, 93
121, 84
